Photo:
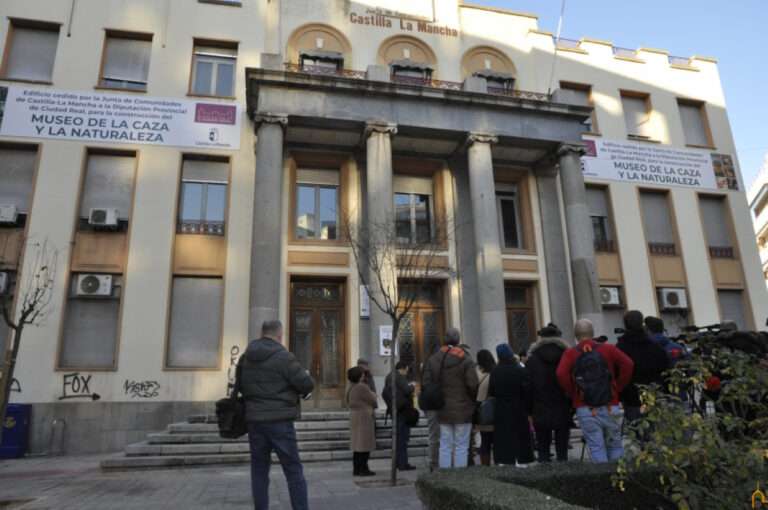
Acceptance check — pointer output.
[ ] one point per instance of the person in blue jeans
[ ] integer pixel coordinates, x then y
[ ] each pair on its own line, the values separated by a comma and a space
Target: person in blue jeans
272, 383
600, 425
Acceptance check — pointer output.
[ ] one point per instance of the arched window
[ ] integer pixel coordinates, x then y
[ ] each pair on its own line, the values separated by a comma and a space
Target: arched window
409, 59
318, 48
491, 64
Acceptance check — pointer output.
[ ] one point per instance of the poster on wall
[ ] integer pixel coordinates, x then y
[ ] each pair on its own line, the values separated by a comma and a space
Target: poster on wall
644, 163
118, 118
385, 341
365, 303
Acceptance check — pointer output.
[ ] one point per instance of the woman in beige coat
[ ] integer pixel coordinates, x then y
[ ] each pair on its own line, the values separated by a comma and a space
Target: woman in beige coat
362, 424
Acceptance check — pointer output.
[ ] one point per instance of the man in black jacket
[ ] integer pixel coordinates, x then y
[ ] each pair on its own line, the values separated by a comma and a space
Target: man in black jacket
650, 362
404, 401
272, 382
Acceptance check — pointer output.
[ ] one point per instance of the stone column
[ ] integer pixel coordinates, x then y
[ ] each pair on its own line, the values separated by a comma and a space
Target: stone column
267, 227
586, 288
379, 218
555, 254
490, 274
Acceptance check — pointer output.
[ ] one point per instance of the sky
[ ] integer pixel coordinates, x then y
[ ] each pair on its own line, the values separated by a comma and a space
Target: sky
734, 32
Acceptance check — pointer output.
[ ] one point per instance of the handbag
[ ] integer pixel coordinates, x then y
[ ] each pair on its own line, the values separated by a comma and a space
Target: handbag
411, 416
431, 397
486, 414
230, 412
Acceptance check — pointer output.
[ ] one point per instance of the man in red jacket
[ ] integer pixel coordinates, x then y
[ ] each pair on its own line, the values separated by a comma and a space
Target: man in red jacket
600, 424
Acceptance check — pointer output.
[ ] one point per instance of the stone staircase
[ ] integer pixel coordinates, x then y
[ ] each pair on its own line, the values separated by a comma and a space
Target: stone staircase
323, 436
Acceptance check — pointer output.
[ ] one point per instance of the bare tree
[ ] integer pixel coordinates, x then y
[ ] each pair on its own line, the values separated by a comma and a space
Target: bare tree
382, 258
30, 309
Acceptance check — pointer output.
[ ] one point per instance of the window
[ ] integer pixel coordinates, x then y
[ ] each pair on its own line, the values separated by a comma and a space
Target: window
657, 218
508, 210
714, 215
732, 307
581, 95
195, 329
203, 197
412, 218
126, 61
599, 212
213, 70
695, 126
317, 204
31, 52
17, 173
637, 114
108, 185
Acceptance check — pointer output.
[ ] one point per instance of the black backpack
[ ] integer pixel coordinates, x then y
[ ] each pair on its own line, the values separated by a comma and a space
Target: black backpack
593, 378
431, 397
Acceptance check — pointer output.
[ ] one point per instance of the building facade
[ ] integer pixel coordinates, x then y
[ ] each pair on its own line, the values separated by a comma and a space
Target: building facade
193, 162
758, 202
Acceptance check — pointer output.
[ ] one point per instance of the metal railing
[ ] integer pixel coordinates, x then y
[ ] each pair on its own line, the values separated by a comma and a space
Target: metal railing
721, 252
325, 71
210, 228
605, 246
667, 249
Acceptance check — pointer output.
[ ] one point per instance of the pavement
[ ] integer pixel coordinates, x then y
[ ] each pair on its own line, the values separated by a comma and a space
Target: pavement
77, 483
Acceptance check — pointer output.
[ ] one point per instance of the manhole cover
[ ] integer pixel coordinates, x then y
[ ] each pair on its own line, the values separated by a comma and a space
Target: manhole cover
380, 484
13, 504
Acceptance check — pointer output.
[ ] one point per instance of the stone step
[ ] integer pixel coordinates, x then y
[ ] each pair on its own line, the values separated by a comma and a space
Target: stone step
305, 416
305, 435
208, 428
149, 449
121, 463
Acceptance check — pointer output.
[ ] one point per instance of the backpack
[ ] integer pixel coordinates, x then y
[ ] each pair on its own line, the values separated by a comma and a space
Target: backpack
431, 397
676, 352
593, 378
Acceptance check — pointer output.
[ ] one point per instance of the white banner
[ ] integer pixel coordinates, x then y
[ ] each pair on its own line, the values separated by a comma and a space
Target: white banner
645, 163
118, 118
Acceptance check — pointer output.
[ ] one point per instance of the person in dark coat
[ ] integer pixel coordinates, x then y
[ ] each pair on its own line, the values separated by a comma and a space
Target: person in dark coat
649, 358
511, 387
404, 401
551, 406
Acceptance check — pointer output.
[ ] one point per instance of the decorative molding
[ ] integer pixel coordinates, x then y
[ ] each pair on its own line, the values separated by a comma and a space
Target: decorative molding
474, 138
269, 118
568, 149
386, 128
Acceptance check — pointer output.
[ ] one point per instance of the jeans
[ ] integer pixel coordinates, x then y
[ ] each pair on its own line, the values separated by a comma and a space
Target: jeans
434, 439
280, 437
403, 436
544, 440
454, 445
602, 432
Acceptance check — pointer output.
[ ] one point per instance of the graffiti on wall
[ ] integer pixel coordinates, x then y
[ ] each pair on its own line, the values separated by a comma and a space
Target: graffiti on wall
77, 386
15, 386
142, 389
234, 355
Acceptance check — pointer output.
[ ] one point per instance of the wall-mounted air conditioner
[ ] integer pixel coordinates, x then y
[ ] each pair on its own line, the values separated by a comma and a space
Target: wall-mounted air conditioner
610, 297
8, 213
103, 217
673, 299
94, 285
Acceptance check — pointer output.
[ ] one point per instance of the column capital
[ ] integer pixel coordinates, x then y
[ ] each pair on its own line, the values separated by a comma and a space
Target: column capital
568, 149
270, 118
473, 138
380, 126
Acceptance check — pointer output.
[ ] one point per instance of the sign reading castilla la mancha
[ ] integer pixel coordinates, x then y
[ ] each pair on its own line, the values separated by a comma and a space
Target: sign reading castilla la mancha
644, 163
387, 19
118, 118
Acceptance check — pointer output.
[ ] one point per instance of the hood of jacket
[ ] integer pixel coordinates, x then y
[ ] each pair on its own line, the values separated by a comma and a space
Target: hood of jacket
456, 355
262, 349
549, 350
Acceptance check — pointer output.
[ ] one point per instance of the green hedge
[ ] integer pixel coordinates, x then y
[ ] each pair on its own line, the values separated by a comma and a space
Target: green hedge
570, 486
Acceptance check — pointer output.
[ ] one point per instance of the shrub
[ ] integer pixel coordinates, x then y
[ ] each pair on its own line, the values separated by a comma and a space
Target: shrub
704, 460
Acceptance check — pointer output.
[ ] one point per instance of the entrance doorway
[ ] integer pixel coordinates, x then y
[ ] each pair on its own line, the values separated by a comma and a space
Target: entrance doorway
423, 328
521, 315
317, 338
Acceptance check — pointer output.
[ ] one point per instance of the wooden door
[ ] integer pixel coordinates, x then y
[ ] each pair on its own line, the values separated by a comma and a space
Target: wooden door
423, 328
521, 316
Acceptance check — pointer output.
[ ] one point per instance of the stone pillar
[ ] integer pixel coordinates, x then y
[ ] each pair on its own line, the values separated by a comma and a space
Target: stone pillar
379, 219
586, 288
490, 274
267, 227
555, 254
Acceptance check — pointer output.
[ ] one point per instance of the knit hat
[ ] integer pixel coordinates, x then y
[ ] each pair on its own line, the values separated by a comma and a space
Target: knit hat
633, 321
504, 352
550, 331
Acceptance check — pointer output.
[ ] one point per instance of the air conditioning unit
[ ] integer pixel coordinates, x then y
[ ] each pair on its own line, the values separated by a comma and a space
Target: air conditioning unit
8, 213
94, 285
5, 283
102, 217
673, 299
610, 296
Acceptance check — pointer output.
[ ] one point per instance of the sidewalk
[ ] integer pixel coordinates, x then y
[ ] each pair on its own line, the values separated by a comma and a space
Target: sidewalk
76, 483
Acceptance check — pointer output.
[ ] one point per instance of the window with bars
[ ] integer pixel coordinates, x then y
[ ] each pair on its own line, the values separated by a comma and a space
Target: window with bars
213, 70
126, 61
413, 218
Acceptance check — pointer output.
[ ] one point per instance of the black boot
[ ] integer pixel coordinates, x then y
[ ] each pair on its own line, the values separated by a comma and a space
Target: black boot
364, 469
356, 464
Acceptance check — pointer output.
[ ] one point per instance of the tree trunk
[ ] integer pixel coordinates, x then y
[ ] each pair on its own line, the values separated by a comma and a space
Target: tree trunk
8, 379
393, 375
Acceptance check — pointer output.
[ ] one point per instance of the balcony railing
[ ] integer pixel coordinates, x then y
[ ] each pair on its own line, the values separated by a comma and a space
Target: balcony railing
210, 228
415, 81
605, 245
721, 252
665, 249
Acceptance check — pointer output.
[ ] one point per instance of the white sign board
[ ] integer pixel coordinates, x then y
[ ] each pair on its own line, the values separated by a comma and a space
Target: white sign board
385, 340
647, 163
365, 303
118, 118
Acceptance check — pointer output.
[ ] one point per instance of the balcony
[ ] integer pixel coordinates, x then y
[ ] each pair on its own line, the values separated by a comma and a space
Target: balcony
414, 81
605, 246
663, 249
721, 252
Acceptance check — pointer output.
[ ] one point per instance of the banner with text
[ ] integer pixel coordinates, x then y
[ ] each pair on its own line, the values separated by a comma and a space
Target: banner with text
645, 163
118, 118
